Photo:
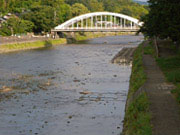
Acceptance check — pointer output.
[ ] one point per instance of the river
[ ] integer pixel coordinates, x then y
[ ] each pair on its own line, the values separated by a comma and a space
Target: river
66, 89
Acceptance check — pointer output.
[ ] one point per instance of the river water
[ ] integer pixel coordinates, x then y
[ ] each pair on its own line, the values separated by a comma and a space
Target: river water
65, 90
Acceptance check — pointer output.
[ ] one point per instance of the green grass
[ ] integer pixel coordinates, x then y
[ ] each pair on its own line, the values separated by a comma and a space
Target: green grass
138, 118
58, 41
149, 50
88, 35
170, 65
30, 45
171, 68
138, 76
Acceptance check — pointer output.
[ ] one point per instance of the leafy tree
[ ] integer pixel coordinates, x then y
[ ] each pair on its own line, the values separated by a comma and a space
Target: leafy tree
42, 17
2, 5
16, 26
94, 5
4, 30
61, 10
163, 20
78, 9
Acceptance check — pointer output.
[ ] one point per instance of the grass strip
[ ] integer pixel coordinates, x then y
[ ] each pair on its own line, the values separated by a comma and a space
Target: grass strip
30, 45
138, 76
138, 118
80, 36
171, 69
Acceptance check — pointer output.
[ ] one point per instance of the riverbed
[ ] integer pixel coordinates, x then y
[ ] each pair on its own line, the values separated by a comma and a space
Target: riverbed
65, 90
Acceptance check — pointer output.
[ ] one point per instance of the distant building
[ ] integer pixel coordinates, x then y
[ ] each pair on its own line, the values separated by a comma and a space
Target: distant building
2, 20
6, 17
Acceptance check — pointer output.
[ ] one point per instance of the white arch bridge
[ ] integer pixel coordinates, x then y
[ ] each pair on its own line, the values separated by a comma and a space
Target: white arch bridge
100, 22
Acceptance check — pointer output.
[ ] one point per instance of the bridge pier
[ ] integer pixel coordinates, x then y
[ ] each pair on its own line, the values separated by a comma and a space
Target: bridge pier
54, 34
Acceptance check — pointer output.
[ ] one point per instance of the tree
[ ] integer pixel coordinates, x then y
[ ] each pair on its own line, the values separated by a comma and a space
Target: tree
94, 5
163, 20
42, 17
2, 5
52, 3
78, 9
16, 25
61, 10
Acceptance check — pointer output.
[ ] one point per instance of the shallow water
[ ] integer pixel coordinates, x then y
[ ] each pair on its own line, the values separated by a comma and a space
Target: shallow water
65, 90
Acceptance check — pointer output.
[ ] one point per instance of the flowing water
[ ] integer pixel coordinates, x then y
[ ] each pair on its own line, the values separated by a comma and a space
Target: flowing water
65, 90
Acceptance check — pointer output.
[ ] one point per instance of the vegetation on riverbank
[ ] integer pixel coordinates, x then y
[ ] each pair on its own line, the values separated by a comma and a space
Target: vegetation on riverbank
149, 49
137, 118
162, 21
169, 62
31, 45
170, 66
138, 76
89, 35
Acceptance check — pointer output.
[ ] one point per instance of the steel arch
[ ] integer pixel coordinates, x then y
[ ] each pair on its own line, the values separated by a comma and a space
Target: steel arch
68, 23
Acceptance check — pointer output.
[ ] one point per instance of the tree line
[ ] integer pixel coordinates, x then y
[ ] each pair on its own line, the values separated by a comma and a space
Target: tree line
41, 15
163, 20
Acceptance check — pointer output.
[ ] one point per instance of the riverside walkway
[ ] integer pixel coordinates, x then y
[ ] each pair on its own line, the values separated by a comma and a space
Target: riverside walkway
164, 108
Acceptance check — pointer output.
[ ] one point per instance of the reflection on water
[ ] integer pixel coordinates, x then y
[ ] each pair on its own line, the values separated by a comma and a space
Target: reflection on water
65, 90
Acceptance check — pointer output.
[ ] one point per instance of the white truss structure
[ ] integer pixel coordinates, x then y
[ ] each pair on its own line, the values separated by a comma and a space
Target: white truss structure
100, 20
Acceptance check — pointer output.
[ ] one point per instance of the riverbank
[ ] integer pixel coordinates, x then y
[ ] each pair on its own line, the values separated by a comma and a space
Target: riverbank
169, 62
31, 45
35, 43
90, 35
137, 118
150, 100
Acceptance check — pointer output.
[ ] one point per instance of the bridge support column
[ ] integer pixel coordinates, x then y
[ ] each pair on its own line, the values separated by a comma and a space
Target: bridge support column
96, 21
111, 21
82, 23
124, 23
77, 27
105, 21
121, 22
72, 25
101, 21
114, 22
91, 22
86, 23
55, 35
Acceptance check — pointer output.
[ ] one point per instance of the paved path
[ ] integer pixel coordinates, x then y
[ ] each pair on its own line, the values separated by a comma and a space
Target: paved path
164, 108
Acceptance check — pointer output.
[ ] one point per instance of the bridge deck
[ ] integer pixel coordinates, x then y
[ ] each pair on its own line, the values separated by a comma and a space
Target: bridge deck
94, 30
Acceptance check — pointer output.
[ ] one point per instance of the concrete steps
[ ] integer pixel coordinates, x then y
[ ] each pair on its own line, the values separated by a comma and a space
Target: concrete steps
124, 57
